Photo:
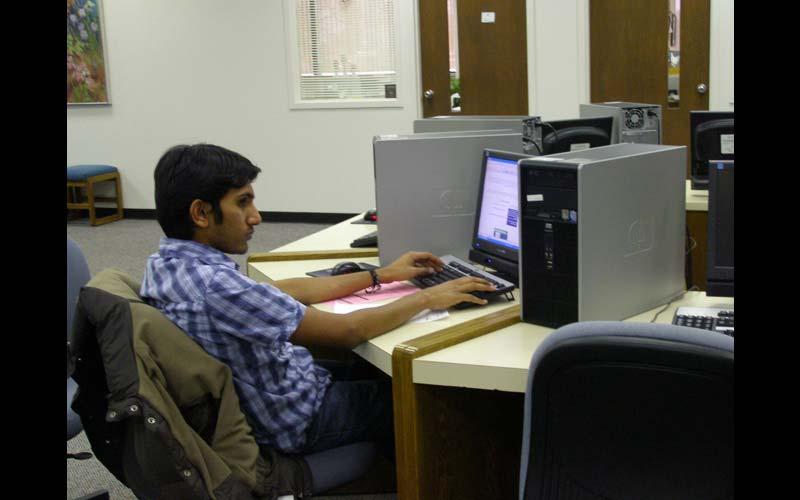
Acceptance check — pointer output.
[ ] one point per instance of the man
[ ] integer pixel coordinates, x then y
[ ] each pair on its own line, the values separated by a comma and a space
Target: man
205, 205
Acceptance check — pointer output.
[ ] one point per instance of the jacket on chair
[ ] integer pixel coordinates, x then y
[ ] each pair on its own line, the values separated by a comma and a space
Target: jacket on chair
160, 413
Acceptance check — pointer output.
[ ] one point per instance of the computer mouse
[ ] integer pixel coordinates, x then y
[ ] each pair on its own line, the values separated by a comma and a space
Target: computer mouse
371, 214
345, 268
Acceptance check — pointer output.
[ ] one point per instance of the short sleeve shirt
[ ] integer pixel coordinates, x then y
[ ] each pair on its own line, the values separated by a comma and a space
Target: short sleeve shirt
246, 325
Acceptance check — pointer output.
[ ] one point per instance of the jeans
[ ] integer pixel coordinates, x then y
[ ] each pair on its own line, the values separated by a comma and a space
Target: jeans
353, 411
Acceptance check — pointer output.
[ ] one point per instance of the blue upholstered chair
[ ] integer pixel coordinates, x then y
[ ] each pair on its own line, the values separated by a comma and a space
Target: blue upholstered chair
629, 410
77, 275
81, 177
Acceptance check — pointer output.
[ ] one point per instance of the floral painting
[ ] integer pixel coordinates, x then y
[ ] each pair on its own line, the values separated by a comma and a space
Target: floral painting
87, 79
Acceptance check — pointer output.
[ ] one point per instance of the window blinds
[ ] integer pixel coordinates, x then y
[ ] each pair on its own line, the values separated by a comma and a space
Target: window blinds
347, 49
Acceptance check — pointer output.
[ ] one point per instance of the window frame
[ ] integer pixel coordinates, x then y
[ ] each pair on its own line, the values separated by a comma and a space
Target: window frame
293, 70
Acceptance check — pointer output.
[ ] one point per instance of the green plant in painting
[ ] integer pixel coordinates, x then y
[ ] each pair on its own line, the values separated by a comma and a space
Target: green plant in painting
86, 72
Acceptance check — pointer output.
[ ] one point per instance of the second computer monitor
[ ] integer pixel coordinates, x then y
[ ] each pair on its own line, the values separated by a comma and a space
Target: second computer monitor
561, 136
710, 138
495, 241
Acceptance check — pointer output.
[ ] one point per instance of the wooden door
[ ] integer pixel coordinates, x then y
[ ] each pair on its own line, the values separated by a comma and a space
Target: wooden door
629, 58
492, 58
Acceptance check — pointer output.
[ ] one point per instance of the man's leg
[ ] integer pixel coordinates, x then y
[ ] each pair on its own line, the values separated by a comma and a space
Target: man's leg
354, 411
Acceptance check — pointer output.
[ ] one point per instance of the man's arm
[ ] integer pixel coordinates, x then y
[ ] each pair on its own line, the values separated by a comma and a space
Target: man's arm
324, 288
320, 328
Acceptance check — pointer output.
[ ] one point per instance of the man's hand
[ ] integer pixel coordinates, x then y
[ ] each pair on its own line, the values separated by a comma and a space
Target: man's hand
453, 292
410, 265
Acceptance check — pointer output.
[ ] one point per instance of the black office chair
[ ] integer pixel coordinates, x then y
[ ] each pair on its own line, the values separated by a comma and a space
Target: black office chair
170, 426
619, 410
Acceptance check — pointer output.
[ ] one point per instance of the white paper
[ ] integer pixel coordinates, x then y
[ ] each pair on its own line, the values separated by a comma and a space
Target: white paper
340, 307
425, 316
429, 315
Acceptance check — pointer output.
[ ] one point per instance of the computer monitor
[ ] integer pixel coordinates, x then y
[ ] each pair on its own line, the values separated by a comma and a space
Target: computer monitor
495, 240
426, 189
561, 136
719, 271
710, 138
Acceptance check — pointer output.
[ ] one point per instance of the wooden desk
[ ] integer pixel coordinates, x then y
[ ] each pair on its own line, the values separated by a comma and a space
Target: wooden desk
697, 222
469, 407
393, 351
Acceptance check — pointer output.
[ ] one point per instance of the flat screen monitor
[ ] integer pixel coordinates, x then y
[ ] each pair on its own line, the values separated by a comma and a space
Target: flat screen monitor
495, 241
561, 136
719, 271
710, 138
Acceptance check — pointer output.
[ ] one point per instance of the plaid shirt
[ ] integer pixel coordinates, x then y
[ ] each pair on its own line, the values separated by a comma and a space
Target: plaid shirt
247, 326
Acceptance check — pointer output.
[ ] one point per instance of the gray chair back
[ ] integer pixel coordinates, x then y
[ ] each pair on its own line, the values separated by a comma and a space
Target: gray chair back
77, 276
629, 410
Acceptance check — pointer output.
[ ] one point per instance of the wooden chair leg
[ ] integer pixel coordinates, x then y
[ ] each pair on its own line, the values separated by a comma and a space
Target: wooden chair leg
118, 188
90, 200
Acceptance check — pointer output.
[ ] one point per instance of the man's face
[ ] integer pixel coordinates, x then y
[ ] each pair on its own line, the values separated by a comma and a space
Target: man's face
240, 217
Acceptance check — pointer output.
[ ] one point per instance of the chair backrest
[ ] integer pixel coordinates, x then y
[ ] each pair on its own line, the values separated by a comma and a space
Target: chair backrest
629, 410
77, 275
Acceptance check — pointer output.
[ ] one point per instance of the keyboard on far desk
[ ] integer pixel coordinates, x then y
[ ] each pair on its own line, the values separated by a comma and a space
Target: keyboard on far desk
716, 319
455, 268
368, 240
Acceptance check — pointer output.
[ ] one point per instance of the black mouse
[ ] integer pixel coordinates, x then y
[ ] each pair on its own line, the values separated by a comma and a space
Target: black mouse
345, 268
371, 214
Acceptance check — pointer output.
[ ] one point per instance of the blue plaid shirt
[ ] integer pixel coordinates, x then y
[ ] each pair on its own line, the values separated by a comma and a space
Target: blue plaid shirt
246, 325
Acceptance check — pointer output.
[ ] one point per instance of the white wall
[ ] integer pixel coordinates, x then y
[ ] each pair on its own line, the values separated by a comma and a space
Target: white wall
558, 57
720, 85
187, 71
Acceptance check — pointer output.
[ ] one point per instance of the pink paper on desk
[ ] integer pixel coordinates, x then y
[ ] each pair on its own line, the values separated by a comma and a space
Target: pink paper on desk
387, 291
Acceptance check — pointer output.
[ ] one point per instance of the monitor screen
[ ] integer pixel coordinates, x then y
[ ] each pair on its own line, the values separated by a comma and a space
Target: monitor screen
711, 135
496, 238
719, 272
562, 136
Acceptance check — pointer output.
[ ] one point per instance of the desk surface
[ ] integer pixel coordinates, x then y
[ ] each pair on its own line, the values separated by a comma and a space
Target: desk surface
377, 351
696, 200
336, 237
500, 360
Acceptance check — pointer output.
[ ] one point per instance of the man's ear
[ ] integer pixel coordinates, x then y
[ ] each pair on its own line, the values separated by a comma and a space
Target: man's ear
201, 213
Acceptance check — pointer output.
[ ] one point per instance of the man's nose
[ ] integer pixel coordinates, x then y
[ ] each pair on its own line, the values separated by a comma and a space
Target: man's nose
255, 218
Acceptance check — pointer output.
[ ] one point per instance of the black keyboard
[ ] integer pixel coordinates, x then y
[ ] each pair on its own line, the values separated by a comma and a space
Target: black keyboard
368, 240
455, 268
707, 318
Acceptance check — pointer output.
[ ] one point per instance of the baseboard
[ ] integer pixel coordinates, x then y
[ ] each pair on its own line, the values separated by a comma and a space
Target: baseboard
300, 217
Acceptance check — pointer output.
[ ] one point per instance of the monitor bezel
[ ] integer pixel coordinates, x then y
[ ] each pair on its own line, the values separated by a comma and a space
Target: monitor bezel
489, 253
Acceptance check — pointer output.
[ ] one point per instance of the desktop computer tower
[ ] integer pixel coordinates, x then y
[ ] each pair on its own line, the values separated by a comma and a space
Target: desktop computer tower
602, 232
633, 122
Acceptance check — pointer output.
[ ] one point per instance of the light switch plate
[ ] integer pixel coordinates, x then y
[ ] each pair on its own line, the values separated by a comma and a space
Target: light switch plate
487, 17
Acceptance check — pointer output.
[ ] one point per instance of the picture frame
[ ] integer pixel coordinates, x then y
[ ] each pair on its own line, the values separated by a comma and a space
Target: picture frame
87, 56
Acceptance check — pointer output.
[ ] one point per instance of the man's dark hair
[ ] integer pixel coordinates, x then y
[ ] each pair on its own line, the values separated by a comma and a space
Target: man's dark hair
201, 171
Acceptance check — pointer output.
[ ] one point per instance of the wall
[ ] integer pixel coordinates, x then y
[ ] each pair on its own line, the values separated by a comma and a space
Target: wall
720, 86
187, 71
197, 70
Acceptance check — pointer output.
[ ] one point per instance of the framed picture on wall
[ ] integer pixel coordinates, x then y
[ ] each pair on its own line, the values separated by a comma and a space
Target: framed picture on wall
87, 64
